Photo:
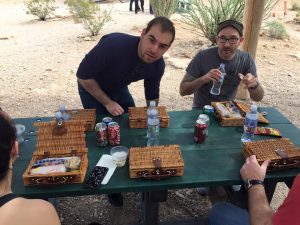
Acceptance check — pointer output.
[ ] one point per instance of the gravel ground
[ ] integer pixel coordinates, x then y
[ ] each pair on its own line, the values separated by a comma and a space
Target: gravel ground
38, 62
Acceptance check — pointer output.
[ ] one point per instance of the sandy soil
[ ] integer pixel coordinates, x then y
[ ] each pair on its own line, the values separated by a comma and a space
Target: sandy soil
38, 63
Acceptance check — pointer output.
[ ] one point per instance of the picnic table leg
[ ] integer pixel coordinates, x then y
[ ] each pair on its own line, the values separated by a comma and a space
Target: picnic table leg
150, 206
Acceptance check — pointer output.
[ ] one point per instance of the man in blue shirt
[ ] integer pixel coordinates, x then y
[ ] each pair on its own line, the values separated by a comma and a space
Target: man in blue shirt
119, 59
116, 61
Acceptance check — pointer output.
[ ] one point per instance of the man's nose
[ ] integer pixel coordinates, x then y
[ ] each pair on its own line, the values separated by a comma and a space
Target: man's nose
226, 43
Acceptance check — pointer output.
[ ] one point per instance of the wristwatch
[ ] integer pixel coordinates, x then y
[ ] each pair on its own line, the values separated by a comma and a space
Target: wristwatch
249, 183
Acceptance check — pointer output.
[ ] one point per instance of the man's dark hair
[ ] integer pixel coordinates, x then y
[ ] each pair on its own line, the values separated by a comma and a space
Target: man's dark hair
165, 24
7, 140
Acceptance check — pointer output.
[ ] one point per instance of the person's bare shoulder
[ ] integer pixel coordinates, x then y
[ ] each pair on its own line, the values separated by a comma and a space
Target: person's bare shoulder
30, 211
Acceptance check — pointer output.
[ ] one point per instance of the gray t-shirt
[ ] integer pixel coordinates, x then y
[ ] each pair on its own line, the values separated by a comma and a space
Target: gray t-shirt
208, 59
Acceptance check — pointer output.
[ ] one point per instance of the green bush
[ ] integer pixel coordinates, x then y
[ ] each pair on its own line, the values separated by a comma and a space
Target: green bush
205, 16
164, 7
81, 9
276, 30
40, 8
296, 5
95, 23
89, 14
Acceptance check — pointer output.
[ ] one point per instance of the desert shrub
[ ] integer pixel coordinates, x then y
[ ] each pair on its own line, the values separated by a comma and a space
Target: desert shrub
95, 23
40, 8
89, 14
205, 16
80, 9
276, 30
164, 8
295, 5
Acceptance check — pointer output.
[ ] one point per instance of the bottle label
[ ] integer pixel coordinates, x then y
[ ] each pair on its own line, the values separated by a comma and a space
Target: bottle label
250, 125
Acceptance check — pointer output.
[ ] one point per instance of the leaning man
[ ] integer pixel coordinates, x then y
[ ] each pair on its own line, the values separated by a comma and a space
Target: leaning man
119, 59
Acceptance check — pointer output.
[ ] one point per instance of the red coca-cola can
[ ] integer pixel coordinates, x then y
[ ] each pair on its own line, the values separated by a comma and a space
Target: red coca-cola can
101, 134
200, 131
114, 133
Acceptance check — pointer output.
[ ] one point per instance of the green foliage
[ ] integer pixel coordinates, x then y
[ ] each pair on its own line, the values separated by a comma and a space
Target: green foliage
205, 15
95, 23
82, 9
296, 5
164, 7
276, 30
89, 14
40, 8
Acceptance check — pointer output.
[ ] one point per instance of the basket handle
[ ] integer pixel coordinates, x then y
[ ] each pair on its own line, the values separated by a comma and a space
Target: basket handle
156, 174
284, 164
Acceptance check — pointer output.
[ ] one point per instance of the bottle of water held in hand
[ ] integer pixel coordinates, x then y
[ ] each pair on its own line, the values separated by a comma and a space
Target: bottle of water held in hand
152, 125
250, 124
216, 88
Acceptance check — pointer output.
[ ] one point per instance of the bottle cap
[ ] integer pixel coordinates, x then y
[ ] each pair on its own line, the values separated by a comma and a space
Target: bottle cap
58, 116
62, 108
253, 108
152, 103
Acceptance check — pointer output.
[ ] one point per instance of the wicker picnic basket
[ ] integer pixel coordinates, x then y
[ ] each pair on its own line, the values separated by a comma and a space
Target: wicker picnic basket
232, 121
138, 117
155, 162
282, 153
87, 115
50, 145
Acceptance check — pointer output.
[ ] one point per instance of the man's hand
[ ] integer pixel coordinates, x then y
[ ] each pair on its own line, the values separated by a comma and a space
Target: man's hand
248, 80
114, 108
252, 170
213, 75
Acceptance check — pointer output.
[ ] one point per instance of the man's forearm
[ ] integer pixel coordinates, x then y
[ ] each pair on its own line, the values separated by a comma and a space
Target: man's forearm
190, 87
95, 90
259, 209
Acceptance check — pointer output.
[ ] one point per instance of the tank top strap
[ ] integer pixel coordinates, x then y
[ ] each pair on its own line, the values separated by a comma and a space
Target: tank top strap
6, 198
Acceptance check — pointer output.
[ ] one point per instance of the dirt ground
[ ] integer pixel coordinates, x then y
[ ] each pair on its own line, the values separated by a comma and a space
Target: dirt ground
39, 60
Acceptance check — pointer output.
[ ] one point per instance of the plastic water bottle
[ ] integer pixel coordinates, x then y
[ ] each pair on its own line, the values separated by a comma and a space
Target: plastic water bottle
216, 88
250, 124
152, 125
63, 111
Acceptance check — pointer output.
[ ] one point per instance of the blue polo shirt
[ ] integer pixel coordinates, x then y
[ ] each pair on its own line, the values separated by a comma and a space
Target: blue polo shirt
114, 63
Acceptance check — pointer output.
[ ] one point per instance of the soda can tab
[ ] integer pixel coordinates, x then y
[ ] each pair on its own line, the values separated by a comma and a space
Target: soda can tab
107, 120
199, 131
205, 118
114, 137
208, 109
101, 134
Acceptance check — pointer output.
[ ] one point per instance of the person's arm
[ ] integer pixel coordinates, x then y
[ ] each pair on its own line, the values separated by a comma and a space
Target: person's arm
190, 84
260, 212
255, 89
95, 90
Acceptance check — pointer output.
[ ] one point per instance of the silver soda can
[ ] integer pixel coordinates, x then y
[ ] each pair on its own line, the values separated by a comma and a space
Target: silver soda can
205, 118
101, 134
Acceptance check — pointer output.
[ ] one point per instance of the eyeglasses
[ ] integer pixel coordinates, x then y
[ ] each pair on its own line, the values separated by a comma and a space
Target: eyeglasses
231, 40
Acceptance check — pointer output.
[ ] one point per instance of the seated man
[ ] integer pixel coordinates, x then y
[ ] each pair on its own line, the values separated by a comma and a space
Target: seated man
260, 211
239, 66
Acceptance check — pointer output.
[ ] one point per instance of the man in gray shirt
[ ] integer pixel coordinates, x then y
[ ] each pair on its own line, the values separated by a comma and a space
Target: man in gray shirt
239, 66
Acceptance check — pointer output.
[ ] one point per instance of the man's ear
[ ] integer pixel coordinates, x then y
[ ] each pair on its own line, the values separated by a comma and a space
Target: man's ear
143, 32
242, 39
15, 151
